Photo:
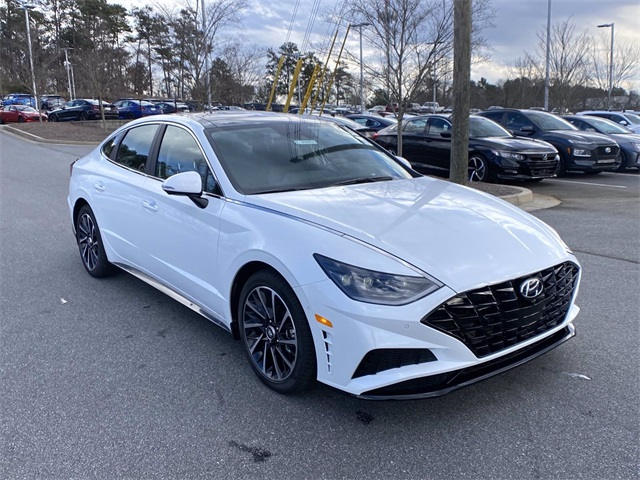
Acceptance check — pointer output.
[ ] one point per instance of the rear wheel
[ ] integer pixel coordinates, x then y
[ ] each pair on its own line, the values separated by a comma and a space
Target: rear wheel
53, 118
90, 244
479, 169
275, 333
83, 116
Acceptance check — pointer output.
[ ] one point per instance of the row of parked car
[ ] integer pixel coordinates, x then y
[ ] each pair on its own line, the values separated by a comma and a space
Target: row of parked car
21, 108
513, 144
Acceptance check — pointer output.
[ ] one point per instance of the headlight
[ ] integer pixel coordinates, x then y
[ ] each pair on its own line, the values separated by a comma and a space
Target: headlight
509, 155
376, 287
581, 152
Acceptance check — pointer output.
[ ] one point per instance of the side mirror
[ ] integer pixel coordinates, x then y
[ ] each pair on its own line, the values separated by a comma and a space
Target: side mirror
527, 129
188, 184
445, 134
623, 122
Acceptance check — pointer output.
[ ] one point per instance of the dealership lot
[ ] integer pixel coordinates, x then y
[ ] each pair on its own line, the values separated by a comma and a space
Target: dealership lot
110, 378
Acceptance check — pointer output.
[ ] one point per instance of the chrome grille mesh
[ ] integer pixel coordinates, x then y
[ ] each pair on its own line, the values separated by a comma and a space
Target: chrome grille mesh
492, 318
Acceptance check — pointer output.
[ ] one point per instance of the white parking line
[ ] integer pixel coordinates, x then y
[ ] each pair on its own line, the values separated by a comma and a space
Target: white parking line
588, 183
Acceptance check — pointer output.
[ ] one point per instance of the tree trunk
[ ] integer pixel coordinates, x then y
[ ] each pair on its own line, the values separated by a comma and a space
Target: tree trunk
461, 80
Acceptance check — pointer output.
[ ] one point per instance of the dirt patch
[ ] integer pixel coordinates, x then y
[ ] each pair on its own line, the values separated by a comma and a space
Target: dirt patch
89, 131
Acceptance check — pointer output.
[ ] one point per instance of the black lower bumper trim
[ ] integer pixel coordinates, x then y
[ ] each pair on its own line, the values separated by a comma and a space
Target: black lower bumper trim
441, 384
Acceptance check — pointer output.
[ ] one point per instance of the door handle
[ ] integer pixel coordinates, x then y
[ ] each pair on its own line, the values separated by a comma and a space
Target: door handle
150, 205
99, 186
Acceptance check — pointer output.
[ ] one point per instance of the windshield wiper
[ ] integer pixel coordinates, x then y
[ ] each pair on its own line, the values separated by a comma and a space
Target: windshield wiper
354, 181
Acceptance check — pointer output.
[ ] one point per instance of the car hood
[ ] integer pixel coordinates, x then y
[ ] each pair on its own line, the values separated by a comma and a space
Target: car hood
585, 137
510, 143
460, 236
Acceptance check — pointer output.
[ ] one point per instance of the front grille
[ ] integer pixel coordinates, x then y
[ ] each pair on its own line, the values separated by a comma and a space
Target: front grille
612, 153
541, 157
387, 358
490, 319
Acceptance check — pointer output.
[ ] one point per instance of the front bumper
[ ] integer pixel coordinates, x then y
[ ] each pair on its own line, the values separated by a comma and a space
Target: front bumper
381, 352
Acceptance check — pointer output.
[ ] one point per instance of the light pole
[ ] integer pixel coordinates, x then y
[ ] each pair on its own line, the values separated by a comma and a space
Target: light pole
607, 25
26, 9
546, 68
360, 25
67, 66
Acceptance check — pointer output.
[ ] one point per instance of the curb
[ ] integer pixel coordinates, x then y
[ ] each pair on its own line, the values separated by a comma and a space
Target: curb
523, 196
34, 138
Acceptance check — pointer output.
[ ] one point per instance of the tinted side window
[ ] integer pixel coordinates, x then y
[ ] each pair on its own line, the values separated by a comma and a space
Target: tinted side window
495, 116
438, 125
516, 121
135, 146
180, 152
415, 126
108, 147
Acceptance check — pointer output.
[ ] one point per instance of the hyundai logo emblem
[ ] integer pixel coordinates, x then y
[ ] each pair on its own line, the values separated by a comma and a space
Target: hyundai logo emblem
608, 149
531, 288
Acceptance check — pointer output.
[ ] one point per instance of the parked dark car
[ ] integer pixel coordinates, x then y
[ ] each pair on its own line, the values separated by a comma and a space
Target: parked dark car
493, 152
19, 99
172, 107
51, 102
587, 152
20, 114
628, 141
343, 121
83, 109
372, 122
130, 109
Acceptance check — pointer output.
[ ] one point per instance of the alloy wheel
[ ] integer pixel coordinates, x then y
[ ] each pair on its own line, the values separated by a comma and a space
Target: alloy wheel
269, 334
88, 241
477, 169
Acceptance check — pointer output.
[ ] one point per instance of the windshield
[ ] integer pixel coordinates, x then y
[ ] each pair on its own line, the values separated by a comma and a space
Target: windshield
480, 127
281, 156
633, 118
603, 125
546, 121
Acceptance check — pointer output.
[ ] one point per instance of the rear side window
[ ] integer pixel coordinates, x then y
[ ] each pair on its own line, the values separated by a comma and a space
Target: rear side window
135, 147
496, 116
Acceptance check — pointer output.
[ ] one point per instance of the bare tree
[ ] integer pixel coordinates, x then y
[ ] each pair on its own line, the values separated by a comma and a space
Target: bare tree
568, 61
626, 61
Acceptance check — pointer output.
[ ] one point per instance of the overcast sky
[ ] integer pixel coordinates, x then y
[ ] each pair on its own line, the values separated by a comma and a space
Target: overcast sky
515, 25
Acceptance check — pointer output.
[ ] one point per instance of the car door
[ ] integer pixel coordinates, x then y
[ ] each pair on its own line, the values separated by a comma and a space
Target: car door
68, 111
11, 114
181, 238
413, 140
437, 145
117, 194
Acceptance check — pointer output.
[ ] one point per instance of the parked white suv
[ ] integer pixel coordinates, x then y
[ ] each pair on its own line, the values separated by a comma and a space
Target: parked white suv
431, 107
627, 119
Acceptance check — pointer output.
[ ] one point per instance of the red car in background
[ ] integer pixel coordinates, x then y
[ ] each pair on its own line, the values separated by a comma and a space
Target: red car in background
20, 114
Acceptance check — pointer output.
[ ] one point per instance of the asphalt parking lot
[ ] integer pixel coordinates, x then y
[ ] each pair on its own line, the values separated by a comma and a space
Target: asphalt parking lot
112, 379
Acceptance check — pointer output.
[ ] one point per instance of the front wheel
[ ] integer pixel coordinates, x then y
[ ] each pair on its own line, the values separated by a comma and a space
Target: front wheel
20, 119
623, 162
90, 244
275, 333
53, 118
83, 116
479, 169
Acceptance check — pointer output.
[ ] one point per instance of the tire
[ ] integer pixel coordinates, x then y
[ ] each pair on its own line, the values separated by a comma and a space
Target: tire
623, 162
20, 119
53, 118
275, 334
90, 245
129, 116
83, 116
562, 166
1, 120
478, 169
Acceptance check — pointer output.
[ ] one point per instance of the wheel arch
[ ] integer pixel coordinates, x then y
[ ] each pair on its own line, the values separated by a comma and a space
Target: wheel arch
80, 202
241, 277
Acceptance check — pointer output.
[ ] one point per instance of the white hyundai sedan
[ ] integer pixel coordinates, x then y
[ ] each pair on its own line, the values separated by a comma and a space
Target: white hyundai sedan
327, 257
